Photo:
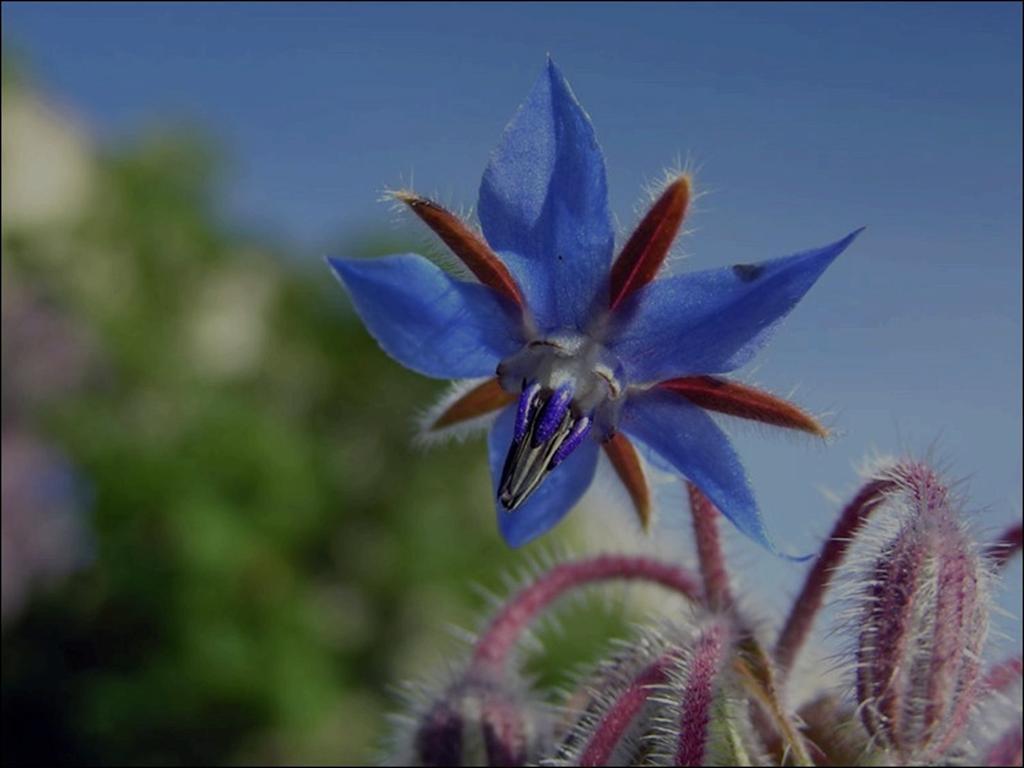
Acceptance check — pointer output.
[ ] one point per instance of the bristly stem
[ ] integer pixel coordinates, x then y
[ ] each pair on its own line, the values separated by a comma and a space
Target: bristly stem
709, 549
757, 669
1005, 547
616, 721
495, 645
698, 695
808, 602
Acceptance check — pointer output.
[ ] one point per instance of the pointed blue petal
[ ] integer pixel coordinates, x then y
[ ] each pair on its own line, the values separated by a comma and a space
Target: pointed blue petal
687, 438
557, 494
713, 321
426, 319
544, 205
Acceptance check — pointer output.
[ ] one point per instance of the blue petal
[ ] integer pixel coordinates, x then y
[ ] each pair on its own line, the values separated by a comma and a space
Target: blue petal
687, 438
544, 205
713, 321
557, 494
426, 319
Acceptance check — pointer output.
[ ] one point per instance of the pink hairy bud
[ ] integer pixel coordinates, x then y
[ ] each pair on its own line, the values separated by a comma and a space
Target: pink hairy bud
923, 621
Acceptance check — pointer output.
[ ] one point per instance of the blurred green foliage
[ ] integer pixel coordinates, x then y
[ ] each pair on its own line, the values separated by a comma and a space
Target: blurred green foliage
269, 549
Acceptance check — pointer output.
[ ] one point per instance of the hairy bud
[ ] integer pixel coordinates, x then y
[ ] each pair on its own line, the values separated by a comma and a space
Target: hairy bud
703, 720
613, 709
477, 721
923, 620
486, 716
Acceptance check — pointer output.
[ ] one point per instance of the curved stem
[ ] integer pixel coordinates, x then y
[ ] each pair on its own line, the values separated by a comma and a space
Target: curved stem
613, 726
809, 601
495, 645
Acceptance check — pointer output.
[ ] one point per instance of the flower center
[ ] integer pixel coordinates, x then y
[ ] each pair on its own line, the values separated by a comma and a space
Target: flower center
568, 385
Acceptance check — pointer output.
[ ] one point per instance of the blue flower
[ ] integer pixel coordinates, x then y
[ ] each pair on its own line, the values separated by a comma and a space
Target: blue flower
576, 351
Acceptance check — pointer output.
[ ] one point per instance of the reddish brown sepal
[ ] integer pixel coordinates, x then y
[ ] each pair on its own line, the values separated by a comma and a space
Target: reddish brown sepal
482, 399
735, 399
464, 243
627, 465
647, 247
1006, 546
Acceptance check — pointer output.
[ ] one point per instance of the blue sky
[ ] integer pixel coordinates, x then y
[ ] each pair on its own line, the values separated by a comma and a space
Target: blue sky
805, 120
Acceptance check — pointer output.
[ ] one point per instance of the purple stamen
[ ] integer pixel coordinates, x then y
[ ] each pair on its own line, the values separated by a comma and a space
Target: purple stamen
526, 400
554, 412
579, 431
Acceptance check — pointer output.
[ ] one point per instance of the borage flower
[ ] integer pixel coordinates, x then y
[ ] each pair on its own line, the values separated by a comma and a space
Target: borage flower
577, 351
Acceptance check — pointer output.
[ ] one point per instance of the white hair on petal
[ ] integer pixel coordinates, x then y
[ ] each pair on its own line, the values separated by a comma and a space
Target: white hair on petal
427, 435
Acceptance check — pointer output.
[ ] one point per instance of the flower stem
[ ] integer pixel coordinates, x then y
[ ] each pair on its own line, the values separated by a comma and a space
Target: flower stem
808, 602
495, 645
756, 668
709, 549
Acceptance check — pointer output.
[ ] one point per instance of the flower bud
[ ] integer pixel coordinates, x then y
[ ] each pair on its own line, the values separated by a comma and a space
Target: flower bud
477, 721
705, 723
923, 620
612, 711
703, 719
487, 717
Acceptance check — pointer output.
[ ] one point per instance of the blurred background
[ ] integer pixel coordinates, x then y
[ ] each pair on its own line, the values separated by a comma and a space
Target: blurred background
219, 542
